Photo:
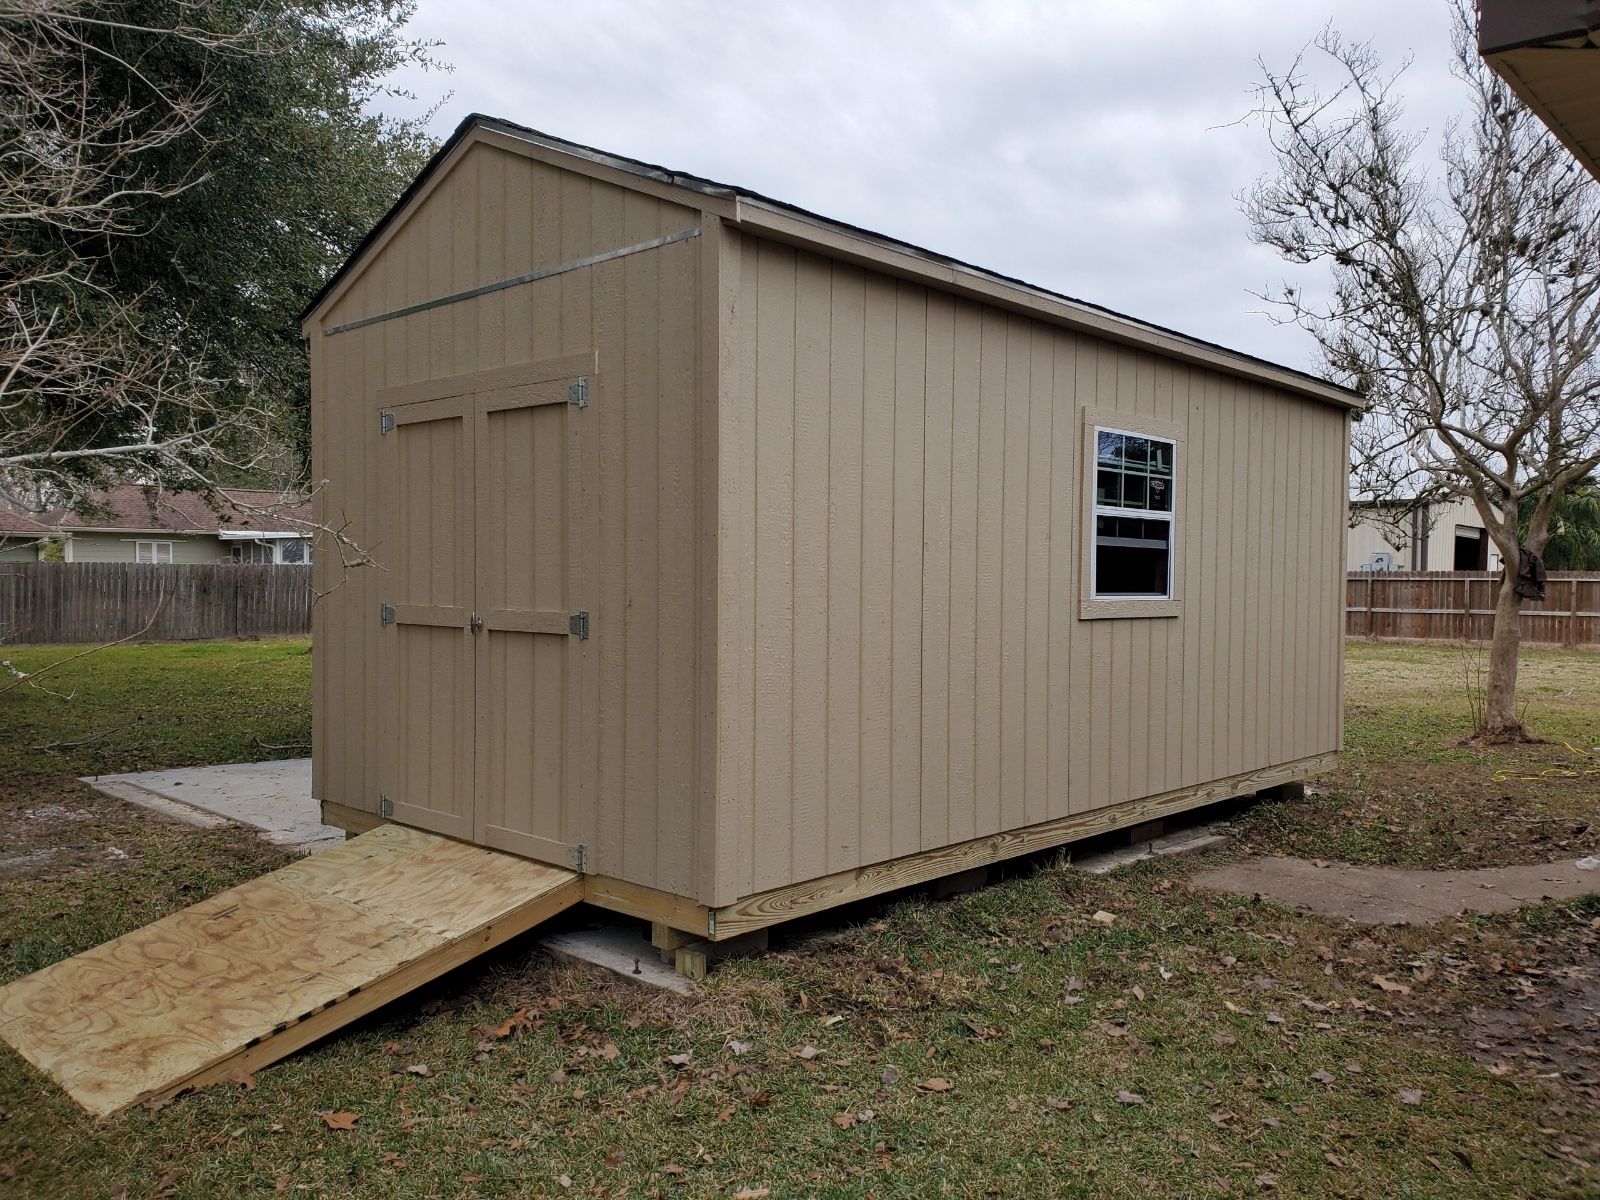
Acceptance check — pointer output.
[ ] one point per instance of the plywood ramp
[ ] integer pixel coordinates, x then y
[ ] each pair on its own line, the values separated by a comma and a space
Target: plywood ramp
260, 970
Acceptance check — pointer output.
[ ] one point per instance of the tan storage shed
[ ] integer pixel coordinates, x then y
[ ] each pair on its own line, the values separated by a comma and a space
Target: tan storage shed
748, 562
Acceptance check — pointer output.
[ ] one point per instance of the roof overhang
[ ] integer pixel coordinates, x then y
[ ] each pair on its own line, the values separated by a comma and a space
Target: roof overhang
1548, 52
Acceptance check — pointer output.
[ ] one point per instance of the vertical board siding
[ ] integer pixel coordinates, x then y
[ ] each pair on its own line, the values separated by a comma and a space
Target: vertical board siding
901, 662
490, 215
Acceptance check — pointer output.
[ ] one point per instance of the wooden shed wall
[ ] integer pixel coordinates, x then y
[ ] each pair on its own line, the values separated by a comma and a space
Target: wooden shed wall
900, 663
490, 215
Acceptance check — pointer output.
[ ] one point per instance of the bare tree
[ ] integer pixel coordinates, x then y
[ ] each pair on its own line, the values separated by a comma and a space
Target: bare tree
93, 389
1464, 302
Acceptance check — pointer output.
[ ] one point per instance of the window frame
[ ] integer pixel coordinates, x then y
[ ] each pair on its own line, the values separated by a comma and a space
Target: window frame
155, 559
1091, 605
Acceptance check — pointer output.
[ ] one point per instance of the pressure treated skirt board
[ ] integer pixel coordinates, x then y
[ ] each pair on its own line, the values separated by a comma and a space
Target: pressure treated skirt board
256, 972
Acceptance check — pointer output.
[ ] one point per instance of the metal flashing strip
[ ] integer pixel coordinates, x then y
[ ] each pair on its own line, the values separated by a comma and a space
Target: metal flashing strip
576, 264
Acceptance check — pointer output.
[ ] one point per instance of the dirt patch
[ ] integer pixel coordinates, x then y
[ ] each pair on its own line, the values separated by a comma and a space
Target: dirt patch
1436, 814
1528, 1008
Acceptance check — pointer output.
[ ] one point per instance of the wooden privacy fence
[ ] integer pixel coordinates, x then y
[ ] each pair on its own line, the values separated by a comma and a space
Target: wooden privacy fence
101, 602
1458, 606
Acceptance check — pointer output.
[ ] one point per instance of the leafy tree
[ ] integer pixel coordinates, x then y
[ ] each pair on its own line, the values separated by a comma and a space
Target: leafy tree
1464, 301
177, 177
1574, 538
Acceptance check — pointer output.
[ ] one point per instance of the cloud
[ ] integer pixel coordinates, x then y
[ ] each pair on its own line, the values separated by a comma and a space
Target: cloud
1091, 148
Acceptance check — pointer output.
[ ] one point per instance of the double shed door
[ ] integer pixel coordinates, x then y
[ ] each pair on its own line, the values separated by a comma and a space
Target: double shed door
482, 636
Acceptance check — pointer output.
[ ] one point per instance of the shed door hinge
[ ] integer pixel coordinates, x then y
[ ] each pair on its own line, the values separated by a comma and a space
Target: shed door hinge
385, 614
578, 625
385, 806
385, 421
577, 856
578, 392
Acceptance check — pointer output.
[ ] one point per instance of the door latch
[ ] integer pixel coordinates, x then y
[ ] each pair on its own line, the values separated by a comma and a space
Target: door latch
476, 624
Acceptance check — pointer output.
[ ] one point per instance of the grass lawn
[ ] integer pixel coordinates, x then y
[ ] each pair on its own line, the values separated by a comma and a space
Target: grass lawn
1002, 1043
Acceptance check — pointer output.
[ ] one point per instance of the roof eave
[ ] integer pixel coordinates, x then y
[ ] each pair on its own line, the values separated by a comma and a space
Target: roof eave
777, 220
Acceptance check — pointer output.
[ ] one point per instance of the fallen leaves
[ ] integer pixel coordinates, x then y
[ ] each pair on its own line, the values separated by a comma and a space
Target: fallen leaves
1131, 1098
339, 1120
1410, 1095
936, 1085
849, 1120
1104, 918
515, 1023
1389, 985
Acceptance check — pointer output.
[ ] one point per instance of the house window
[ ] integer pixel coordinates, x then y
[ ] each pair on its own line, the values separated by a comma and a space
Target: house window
152, 552
1134, 484
294, 551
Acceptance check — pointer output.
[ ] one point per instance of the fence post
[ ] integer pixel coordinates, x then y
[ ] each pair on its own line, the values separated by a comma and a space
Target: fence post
1372, 579
1572, 615
1468, 627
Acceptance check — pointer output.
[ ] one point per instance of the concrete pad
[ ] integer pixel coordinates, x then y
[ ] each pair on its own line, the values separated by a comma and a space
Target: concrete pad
622, 950
275, 797
1183, 841
1395, 896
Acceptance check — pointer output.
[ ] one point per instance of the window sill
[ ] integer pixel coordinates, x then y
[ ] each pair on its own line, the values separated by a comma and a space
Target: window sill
1094, 610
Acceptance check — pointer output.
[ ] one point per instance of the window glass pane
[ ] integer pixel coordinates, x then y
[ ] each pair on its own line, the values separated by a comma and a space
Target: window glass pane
294, 551
1108, 488
1160, 491
1110, 447
1135, 491
1161, 458
1131, 556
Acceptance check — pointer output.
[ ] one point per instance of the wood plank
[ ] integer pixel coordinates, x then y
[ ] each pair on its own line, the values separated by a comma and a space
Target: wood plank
647, 903
786, 903
773, 582
260, 970
905, 590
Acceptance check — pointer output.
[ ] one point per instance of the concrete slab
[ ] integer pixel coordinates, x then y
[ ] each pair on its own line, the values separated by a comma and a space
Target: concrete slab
1395, 896
622, 950
275, 797
1183, 841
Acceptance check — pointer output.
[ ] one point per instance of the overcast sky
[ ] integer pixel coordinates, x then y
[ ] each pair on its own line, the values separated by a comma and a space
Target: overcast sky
1089, 146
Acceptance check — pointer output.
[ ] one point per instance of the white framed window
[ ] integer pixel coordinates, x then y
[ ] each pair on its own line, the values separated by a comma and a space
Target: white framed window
295, 551
1134, 484
152, 552
1132, 524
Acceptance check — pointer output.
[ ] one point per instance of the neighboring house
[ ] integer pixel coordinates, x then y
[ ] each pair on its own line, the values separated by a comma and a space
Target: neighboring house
136, 524
1447, 535
22, 538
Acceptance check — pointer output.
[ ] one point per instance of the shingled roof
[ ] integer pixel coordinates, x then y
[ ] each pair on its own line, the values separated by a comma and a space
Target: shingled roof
135, 509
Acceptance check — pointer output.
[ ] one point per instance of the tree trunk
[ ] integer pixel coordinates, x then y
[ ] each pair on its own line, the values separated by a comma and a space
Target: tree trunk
1500, 723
